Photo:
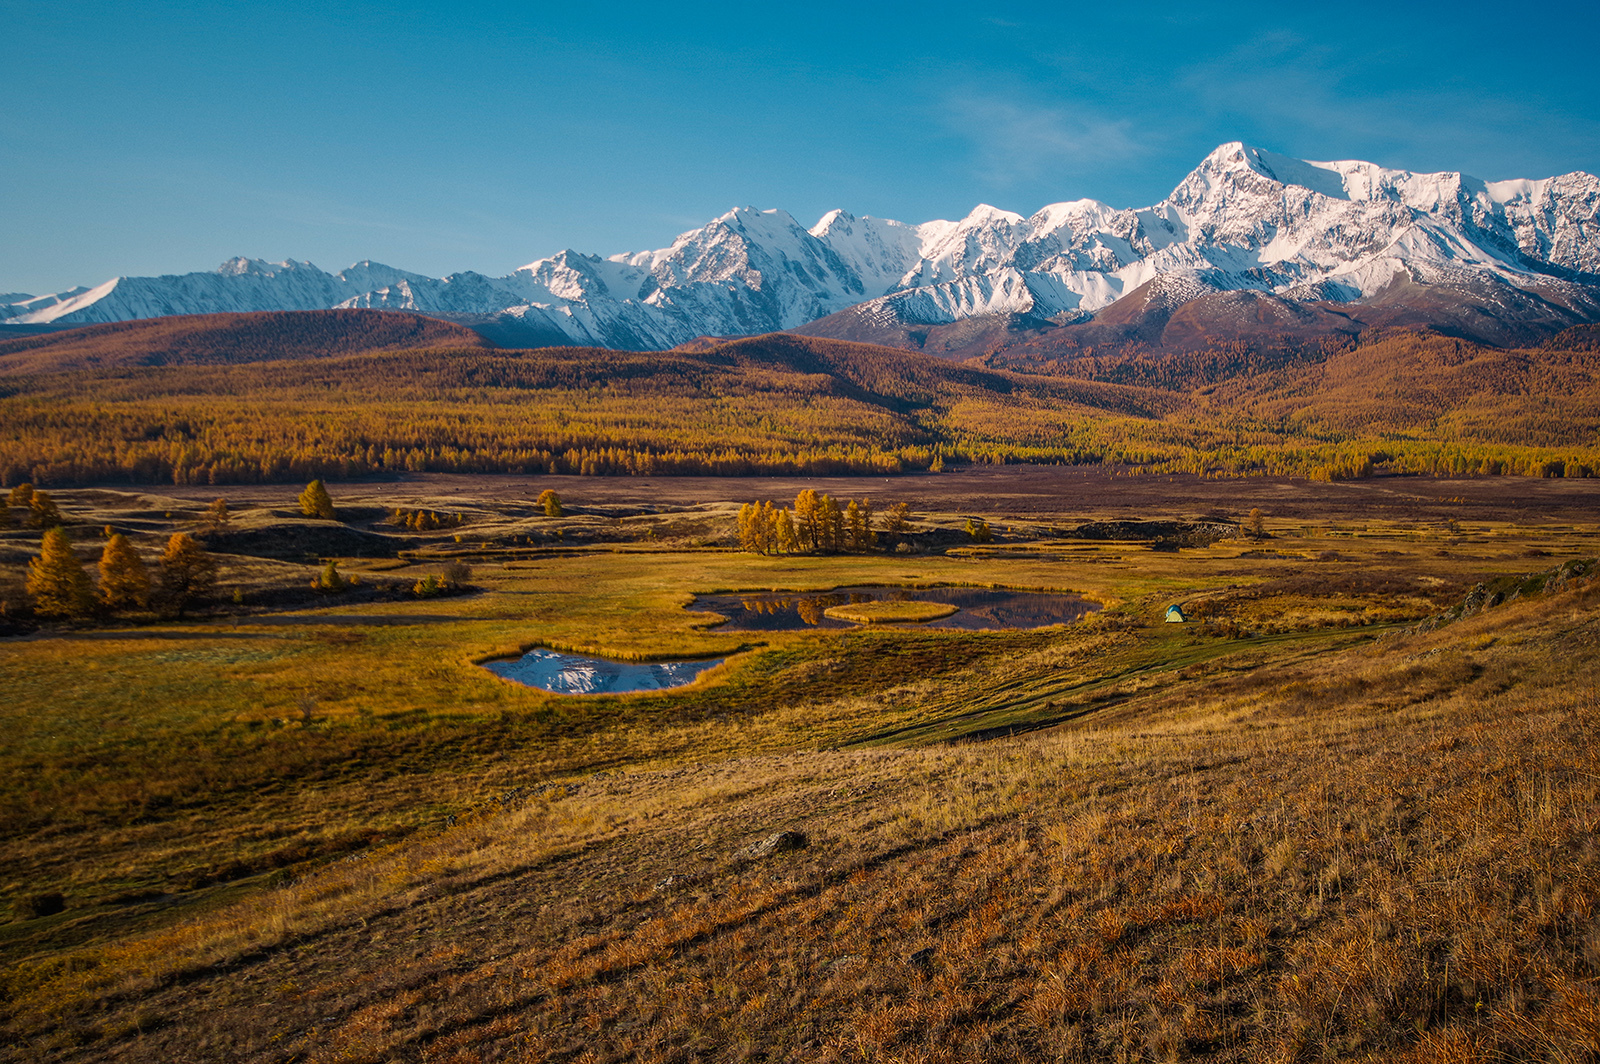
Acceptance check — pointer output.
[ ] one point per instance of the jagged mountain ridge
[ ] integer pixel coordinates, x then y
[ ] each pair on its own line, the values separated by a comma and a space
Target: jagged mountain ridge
1297, 234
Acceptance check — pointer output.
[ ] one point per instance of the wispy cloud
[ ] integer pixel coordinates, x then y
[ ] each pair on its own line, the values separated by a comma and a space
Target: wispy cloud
1325, 101
1015, 140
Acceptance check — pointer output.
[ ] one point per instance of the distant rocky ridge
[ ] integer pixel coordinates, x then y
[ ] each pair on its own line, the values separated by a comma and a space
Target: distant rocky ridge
1249, 242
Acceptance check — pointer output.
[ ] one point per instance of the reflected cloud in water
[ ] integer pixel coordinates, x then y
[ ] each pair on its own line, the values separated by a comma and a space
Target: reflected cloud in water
978, 608
578, 674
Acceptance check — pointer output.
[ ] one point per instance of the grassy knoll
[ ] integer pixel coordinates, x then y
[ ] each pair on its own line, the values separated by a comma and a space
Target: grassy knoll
890, 612
1296, 827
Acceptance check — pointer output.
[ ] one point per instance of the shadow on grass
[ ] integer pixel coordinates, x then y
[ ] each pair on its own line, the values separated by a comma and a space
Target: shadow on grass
132, 633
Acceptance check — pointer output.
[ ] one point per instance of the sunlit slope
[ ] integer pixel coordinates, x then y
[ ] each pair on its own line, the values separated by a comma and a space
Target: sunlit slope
1326, 849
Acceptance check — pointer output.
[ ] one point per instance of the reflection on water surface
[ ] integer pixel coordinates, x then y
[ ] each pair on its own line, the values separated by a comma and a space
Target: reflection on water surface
781, 611
577, 674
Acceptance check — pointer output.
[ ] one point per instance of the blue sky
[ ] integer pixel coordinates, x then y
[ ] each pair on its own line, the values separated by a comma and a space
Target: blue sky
161, 137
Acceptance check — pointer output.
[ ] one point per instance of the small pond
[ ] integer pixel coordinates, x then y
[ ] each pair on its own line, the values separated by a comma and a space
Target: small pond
977, 607
577, 674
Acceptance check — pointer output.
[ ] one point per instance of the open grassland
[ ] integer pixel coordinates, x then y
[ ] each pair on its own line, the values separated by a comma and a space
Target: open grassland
1297, 828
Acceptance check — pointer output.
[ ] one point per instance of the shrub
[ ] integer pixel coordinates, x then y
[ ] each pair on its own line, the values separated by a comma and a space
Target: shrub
330, 579
551, 503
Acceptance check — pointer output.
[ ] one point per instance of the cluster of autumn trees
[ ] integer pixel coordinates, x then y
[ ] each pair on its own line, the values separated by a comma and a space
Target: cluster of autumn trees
40, 508
59, 586
425, 520
817, 524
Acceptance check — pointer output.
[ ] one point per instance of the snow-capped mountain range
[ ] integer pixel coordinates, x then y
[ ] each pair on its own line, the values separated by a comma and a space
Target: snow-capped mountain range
1244, 220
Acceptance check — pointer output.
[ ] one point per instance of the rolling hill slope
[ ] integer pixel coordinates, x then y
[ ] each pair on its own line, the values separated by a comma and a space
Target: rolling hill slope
224, 339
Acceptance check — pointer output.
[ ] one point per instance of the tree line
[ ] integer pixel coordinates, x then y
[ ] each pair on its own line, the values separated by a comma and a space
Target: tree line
794, 409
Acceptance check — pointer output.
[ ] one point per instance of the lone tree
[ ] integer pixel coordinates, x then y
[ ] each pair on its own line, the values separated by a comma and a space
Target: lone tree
21, 495
1257, 524
314, 502
57, 582
187, 572
551, 503
218, 516
124, 581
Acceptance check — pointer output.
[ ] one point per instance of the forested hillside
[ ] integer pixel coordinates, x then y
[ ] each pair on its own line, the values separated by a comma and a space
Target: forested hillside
260, 398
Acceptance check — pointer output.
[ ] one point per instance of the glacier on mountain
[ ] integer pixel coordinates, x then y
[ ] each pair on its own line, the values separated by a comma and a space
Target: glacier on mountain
1244, 219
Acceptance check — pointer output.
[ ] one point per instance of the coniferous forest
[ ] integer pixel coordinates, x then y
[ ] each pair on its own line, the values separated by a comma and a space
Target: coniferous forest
120, 405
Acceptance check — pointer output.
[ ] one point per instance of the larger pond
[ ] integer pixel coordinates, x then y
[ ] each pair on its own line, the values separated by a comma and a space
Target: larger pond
976, 608
578, 674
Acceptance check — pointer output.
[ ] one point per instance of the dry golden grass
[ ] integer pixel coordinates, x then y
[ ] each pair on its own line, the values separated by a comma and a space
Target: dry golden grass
1383, 853
1290, 831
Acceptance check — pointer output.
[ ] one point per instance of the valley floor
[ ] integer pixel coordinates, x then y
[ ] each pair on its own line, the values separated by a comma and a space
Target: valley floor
1316, 823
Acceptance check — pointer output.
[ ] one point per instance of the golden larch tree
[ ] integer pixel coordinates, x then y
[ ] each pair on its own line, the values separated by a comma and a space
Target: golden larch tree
124, 580
808, 519
1257, 524
43, 508
315, 502
785, 539
187, 572
57, 582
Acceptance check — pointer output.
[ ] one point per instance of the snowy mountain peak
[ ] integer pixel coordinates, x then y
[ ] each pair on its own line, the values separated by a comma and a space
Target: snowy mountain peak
985, 215
1244, 219
242, 267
